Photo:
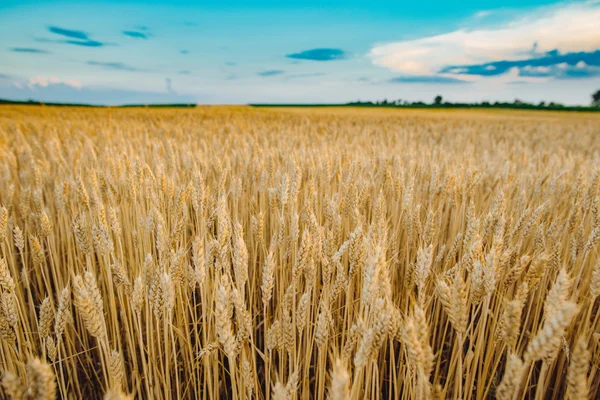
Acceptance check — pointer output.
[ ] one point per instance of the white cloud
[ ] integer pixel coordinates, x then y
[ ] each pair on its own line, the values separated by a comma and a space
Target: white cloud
42, 81
529, 68
483, 14
567, 27
73, 82
38, 80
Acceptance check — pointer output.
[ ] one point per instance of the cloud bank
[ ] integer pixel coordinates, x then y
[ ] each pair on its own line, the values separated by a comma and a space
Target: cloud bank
558, 41
52, 89
553, 64
43, 81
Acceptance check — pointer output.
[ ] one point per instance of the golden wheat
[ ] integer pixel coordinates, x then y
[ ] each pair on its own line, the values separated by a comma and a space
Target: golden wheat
234, 253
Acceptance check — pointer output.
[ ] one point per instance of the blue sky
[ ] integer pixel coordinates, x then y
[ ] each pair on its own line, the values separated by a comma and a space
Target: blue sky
114, 52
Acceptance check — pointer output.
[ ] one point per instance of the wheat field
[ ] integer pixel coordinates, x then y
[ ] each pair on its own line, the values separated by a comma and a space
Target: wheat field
237, 253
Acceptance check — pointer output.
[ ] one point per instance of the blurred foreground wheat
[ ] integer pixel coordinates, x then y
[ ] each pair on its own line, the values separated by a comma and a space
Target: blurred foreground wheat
237, 253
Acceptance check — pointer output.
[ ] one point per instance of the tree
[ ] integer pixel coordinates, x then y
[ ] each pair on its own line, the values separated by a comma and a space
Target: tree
438, 100
596, 98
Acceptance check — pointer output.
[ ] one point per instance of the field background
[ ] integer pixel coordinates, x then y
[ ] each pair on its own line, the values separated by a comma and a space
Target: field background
299, 253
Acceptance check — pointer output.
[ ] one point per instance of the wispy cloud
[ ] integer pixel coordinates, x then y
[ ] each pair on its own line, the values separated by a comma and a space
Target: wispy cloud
75, 37
307, 75
28, 50
271, 72
184, 72
320, 54
118, 66
70, 33
437, 79
184, 52
483, 14
136, 34
531, 39
85, 43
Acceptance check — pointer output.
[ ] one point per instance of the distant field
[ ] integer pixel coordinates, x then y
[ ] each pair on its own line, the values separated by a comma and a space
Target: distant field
299, 253
460, 112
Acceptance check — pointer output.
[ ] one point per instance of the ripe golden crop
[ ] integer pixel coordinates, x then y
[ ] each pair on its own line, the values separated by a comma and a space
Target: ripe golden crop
235, 253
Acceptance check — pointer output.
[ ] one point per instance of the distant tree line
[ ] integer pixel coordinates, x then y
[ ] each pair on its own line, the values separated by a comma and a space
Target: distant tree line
41, 103
438, 102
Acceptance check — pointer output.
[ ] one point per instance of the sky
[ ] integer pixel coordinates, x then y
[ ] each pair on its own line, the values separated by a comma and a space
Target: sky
263, 51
